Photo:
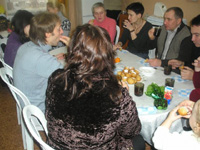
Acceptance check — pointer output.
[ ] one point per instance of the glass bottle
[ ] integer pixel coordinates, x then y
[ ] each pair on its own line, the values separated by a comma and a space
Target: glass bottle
160, 103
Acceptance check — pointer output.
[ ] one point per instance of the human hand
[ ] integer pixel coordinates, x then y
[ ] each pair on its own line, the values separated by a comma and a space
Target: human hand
187, 73
172, 116
65, 40
127, 25
189, 106
175, 63
197, 64
154, 62
151, 33
124, 84
117, 46
187, 103
60, 56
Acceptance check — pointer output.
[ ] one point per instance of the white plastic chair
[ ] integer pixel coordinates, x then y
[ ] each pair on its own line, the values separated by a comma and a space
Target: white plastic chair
9, 72
117, 34
21, 101
30, 112
1, 53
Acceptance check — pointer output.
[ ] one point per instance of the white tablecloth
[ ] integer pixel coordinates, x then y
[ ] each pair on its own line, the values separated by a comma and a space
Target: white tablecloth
152, 120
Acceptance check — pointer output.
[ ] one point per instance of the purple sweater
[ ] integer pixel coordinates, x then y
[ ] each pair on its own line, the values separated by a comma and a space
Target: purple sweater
12, 46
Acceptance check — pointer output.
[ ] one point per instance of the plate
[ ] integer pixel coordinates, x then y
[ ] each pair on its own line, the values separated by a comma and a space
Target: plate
129, 75
147, 71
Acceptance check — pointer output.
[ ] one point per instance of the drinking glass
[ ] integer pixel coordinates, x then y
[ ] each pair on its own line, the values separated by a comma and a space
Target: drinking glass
157, 31
185, 124
167, 70
169, 82
139, 88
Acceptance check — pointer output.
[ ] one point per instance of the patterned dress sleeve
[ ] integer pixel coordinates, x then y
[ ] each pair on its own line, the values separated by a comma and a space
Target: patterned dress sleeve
130, 124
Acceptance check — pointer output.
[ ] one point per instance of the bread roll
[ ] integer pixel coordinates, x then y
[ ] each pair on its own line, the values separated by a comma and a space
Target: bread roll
183, 111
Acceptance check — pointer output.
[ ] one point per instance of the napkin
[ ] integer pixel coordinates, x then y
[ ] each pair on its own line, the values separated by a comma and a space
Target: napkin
146, 110
144, 63
184, 92
179, 79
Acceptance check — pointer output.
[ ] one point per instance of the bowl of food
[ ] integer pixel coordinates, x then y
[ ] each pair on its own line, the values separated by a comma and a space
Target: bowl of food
129, 75
147, 71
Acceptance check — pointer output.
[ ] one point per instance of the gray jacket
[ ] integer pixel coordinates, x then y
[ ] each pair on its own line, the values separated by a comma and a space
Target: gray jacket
175, 45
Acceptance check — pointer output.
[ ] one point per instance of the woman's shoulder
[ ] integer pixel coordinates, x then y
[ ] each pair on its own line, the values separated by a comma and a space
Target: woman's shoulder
56, 73
111, 20
13, 41
148, 25
126, 98
14, 36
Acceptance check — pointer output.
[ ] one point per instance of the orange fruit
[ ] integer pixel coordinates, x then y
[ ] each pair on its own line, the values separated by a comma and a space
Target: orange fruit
117, 60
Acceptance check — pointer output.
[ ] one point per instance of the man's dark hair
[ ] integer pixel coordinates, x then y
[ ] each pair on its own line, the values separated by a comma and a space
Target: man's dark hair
195, 21
177, 12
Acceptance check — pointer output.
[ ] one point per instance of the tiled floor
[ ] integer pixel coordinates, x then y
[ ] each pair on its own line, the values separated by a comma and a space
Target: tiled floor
10, 131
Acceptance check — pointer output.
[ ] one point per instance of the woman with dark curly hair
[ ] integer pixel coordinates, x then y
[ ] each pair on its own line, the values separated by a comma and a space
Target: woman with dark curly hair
21, 25
86, 107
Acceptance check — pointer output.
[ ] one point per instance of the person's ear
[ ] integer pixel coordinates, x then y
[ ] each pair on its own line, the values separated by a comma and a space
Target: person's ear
179, 20
197, 128
47, 35
139, 15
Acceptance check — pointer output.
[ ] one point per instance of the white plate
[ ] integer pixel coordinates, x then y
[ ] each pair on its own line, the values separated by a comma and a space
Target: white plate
147, 71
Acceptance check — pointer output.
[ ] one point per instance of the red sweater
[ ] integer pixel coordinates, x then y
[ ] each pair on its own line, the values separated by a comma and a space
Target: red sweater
110, 25
195, 94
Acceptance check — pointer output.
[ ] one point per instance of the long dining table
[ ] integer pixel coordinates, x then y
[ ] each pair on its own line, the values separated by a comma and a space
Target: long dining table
149, 116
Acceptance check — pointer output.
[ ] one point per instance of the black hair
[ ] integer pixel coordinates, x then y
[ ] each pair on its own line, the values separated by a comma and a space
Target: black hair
20, 20
137, 7
195, 21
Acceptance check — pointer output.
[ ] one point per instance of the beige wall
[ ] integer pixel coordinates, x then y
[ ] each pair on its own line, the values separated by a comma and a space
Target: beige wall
2, 3
189, 7
112, 4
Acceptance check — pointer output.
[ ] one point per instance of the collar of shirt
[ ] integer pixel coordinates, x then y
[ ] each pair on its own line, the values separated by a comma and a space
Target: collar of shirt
170, 36
174, 31
44, 47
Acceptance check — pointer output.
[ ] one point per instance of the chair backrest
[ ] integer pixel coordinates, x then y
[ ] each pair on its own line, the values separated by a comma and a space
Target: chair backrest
117, 34
29, 113
21, 101
20, 98
1, 53
8, 69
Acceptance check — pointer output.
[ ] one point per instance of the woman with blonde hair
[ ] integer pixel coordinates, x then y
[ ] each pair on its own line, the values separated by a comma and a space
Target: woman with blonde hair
54, 6
165, 140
